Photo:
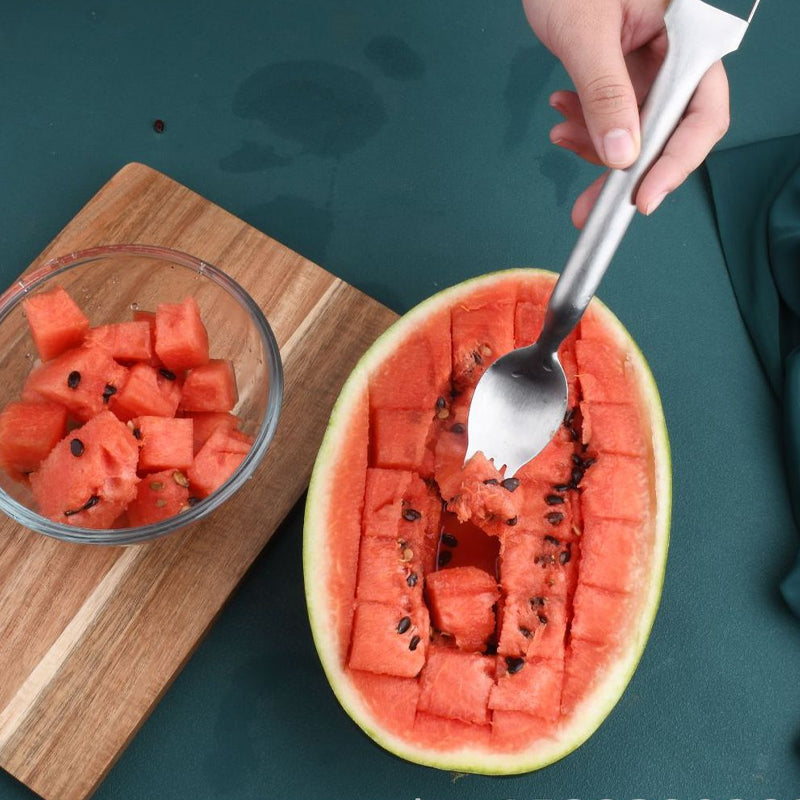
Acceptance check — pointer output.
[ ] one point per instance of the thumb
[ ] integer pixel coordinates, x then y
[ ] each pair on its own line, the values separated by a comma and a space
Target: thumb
594, 60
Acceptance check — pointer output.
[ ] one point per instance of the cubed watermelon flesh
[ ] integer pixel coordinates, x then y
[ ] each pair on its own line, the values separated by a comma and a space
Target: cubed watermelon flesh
94, 380
89, 478
539, 590
56, 322
28, 432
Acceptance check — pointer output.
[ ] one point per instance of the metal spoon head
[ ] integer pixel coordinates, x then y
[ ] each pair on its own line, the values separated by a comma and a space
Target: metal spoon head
517, 407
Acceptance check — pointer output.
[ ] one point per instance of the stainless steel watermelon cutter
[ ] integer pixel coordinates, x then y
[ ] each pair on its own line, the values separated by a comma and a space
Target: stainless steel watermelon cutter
521, 399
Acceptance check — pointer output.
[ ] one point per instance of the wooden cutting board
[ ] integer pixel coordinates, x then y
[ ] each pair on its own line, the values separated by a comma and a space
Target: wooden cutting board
91, 637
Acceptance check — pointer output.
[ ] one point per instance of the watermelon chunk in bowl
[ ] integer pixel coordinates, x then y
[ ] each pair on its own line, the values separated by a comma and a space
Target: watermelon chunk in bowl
85, 403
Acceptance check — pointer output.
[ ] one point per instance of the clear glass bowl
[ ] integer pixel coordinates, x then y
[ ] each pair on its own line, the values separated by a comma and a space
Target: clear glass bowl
108, 283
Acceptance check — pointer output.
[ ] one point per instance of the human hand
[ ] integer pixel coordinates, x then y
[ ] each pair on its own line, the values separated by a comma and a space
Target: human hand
612, 50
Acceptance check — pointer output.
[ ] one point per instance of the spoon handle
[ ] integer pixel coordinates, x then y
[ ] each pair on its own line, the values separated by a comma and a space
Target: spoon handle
698, 35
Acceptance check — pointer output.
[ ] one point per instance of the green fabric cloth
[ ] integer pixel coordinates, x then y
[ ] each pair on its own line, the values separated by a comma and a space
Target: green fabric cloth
756, 190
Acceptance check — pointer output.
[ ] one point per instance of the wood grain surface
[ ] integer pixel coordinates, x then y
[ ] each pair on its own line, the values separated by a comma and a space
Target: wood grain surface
92, 636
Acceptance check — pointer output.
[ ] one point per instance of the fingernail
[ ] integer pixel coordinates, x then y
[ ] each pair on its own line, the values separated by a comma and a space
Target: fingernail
618, 148
655, 203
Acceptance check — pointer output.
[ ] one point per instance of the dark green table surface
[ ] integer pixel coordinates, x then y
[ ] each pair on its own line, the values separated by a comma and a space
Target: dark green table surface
404, 147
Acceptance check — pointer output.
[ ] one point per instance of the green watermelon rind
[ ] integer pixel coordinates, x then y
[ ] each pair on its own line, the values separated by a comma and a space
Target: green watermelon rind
598, 704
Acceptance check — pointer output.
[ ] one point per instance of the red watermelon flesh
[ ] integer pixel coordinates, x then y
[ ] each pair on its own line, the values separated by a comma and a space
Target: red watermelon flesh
92, 483
160, 495
205, 423
148, 391
217, 460
126, 341
526, 651
181, 339
28, 432
56, 322
82, 379
210, 387
166, 443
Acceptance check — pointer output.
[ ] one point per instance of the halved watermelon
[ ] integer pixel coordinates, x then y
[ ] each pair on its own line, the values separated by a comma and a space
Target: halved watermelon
541, 590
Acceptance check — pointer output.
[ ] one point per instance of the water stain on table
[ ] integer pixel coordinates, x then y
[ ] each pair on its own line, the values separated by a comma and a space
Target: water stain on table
395, 58
253, 157
327, 109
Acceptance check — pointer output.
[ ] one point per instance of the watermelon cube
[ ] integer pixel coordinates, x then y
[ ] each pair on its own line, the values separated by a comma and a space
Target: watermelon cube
89, 477
217, 460
126, 341
601, 616
159, 496
181, 338
585, 662
384, 571
389, 639
210, 387
480, 336
56, 322
533, 627
166, 443
537, 566
613, 428
391, 698
83, 379
613, 554
147, 392
511, 729
605, 372
28, 432
428, 349
532, 686
457, 685
383, 501
399, 438
205, 423
617, 487
461, 602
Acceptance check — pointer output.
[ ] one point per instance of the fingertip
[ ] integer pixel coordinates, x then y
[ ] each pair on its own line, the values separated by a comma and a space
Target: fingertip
620, 148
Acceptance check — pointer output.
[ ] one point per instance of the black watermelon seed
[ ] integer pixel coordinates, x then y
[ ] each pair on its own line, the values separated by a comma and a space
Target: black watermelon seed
404, 625
411, 514
158, 126
561, 487
415, 640
564, 557
166, 373
76, 447
109, 391
587, 462
457, 428
445, 556
577, 475
412, 579
514, 665
491, 482
525, 632
92, 501
511, 484
477, 357
74, 379
512, 521
568, 417
574, 435
554, 499
543, 619
552, 540
137, 433
537, 601
441, 403
449, 540
554, 517
192, 500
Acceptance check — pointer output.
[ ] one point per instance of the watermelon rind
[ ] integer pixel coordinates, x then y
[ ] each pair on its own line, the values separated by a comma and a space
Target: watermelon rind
596, 706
